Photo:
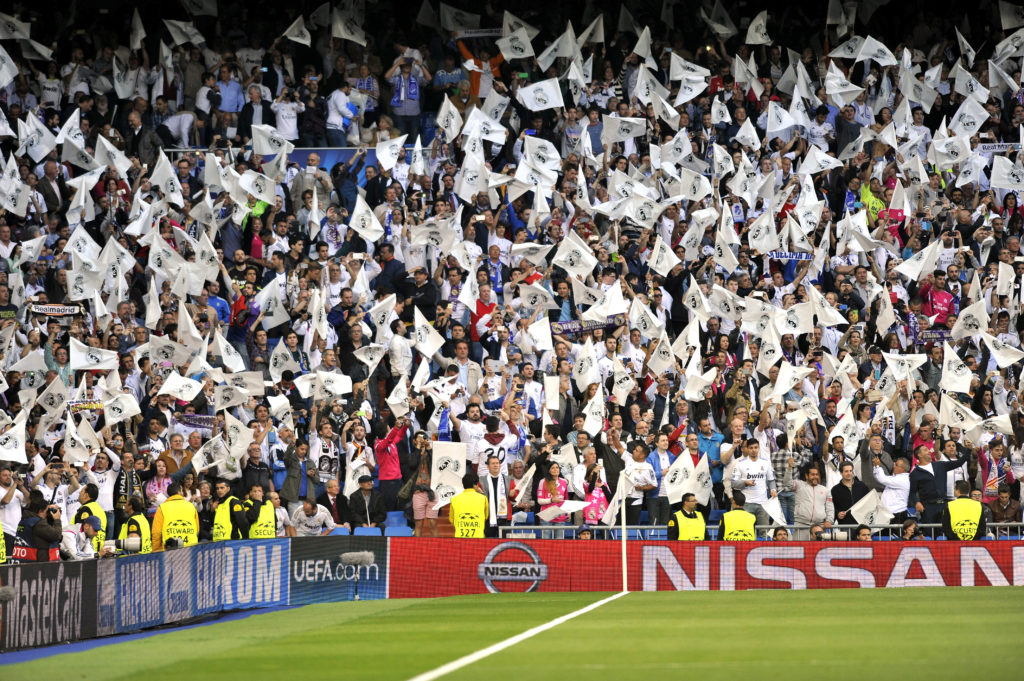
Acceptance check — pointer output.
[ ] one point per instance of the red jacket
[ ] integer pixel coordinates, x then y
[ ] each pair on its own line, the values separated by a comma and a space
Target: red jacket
386, 451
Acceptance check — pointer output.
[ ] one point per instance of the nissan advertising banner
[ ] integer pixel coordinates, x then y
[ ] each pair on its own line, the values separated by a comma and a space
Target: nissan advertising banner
481, 566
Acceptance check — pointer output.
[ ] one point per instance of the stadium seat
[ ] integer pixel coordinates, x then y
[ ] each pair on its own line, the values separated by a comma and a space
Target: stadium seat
396, 519
344, 531
395, 531
530, 519
657, 534
644, 517
715, 517
367, 532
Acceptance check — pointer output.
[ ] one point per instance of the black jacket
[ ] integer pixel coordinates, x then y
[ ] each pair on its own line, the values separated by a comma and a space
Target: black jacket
930, 488
338, 510
362, 512
246, 115
843, 499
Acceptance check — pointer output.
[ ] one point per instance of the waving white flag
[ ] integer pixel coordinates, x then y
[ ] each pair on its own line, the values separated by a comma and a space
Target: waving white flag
84, 357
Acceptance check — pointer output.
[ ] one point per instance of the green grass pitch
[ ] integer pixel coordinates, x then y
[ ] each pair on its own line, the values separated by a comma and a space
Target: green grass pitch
866, 635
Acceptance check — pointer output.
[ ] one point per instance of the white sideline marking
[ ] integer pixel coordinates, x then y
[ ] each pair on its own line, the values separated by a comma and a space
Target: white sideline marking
455, 665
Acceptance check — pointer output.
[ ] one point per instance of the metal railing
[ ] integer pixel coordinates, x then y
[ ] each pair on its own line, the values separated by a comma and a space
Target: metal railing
996, 531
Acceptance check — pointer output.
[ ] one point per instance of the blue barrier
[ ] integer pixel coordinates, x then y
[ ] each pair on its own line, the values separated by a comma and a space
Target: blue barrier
130, 593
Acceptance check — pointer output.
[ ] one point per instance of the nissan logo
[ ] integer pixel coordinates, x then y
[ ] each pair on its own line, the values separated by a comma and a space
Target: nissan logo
492, 572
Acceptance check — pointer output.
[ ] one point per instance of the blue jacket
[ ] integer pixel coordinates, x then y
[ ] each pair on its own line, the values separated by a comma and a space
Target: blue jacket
655, 462
711, 447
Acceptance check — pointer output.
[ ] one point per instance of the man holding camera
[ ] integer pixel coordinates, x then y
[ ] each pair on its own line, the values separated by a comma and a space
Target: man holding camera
39, 534
12, 496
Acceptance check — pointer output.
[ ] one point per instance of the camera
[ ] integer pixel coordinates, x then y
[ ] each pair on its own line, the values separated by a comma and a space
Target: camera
818, 536
129, 544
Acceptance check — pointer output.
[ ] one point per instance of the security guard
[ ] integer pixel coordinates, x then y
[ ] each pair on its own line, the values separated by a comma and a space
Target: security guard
229, 521
962, 518
737, 524
261, 515
137, 524
468, 510
687, 524
176, 519
88, 496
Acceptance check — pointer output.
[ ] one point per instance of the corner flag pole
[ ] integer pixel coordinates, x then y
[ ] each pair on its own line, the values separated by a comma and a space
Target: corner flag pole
622, 520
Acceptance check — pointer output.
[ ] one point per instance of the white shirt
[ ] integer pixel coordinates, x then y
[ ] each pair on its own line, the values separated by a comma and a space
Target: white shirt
485, 449
337, 110
76, 544
897, 489
470, 433
760, 472
642, 474
10, 513
306, 526
287, 116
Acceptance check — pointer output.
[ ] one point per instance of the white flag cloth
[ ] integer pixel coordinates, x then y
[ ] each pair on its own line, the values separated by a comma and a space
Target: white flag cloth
120, 408
952, 413
227, 396
166, 180
428, 340
12, 441
1004, 354
870, 511
516, 45
757, 32
540, 332
677, 476
615, 129
370, 355
280, 361
662, 258
541, 96
388, 151
922, 263
267, 141
364, 222
968, 118
84, 357
585, 371
212, 453
12, 29
1011, 16
1007, 174
575, 256
773, 507
298, 33
876, 51
448, 467
956, 376
817, 161
180, 387
971, 321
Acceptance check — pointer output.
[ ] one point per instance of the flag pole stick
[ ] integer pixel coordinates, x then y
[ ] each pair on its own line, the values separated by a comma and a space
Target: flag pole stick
622, 520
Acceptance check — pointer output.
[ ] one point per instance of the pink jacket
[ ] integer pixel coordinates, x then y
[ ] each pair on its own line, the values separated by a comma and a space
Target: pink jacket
544, 498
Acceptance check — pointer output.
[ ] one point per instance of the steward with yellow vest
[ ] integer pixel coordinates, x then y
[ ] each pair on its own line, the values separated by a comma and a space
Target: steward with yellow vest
468, 510
137, 524
175, 519
261, 515
737, 524
963, 518
687, 524
90, 507
229, 520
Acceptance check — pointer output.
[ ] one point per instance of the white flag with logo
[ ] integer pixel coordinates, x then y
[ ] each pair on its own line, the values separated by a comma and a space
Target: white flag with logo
298, 32
971, 321
12, 440
448, 467
370, 355
541, 96
870, 511
84, 357
388, 151
677, 477
956, 376
364, 222
1003, 353
120, 408
180, 388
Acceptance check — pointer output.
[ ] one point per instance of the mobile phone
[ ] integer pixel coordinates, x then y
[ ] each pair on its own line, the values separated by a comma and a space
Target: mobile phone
263, 69
313, 79
529, 131
523, 75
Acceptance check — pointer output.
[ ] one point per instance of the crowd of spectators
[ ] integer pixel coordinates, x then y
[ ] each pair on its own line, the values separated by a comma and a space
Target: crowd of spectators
581, 250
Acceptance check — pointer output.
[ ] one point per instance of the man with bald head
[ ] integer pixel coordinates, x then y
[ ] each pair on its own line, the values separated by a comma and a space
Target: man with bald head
312, 177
